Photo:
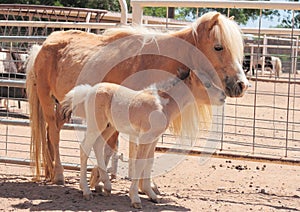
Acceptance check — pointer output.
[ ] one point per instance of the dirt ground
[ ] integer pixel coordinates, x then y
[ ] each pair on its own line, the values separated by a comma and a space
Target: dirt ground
218, 185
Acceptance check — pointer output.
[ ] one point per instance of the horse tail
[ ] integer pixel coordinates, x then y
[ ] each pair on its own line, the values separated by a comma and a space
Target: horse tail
73, 99
37, 122
278, 67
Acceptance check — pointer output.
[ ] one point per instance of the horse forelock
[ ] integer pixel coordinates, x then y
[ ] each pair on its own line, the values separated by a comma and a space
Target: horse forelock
231, 37
226, 31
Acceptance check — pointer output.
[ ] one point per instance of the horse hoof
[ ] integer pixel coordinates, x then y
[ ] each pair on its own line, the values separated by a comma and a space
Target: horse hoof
155, 188
59, 181
99, 189
137, 205
107, 193
102, 191
156, 200
88, 197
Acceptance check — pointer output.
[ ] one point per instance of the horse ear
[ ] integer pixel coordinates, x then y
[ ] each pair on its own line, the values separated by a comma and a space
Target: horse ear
183, 74
214, 20
231, 18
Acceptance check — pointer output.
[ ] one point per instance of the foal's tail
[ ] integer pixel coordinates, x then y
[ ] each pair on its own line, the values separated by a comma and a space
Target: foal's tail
73, 99
37, 121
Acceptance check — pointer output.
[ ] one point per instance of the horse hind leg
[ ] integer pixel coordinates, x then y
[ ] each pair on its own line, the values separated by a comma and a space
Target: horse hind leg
102, 168
87, 194
53, 129
110, 142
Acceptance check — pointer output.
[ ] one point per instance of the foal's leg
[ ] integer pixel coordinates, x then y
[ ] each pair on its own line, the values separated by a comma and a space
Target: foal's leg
99, 173
140, 170
145, 183
110, 151
85, 150
102, 166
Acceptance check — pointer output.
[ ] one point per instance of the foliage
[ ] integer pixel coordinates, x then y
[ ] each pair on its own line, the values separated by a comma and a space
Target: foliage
242, 16
287, 22
155, 11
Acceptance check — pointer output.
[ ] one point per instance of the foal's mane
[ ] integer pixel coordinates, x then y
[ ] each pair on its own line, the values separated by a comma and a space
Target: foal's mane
166, 85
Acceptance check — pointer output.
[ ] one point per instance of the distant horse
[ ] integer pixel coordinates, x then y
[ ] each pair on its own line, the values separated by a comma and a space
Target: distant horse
272, 64
69, 58
12, 62
12, 67
150, 111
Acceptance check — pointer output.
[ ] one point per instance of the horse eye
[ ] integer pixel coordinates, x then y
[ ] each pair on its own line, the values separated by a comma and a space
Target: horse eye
207, 84
218, 47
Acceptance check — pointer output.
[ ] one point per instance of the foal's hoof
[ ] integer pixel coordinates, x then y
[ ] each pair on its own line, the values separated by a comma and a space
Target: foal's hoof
155, 188
88, 196
136, 205
156, 200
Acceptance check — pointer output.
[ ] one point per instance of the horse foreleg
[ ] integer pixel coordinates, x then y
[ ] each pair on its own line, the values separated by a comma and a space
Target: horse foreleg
146, 184
140, 170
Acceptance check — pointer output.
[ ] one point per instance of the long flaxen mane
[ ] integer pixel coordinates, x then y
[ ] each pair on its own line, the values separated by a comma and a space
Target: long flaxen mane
198, 116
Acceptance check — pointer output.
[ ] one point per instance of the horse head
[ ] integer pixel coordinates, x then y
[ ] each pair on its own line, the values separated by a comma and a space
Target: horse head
220, 40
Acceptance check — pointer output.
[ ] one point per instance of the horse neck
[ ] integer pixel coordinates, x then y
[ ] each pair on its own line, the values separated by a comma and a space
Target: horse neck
186, 34
173, 107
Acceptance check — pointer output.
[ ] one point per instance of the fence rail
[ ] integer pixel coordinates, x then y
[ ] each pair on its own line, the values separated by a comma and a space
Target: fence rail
265, 124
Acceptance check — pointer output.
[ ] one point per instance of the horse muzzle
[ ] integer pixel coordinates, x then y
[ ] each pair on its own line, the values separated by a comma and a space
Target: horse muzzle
236, 88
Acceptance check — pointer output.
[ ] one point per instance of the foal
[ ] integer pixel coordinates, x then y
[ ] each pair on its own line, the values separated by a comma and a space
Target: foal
144, 115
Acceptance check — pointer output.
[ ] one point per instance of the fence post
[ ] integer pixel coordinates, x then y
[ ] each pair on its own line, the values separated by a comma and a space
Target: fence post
137, 14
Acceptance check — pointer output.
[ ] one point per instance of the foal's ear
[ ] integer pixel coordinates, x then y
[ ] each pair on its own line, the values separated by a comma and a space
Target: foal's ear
231, 18
214, 20
183, 74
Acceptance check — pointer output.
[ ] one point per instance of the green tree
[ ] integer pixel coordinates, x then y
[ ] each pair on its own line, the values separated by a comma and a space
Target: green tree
155, 11
241, 16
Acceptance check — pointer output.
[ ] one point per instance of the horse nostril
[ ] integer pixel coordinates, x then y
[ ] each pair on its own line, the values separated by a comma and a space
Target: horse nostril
241, 86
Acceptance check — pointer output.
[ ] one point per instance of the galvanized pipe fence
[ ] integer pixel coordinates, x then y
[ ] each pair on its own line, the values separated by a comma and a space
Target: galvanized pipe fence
264, 124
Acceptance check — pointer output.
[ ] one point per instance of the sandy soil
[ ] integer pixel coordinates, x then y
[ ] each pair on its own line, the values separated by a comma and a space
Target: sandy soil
218, 185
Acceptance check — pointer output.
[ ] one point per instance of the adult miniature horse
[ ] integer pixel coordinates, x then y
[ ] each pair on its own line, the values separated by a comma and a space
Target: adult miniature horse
212, 43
